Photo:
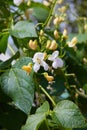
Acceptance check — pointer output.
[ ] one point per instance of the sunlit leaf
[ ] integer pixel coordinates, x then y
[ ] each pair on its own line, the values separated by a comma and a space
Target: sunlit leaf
68, 115
23, 29
18, 85
40, 11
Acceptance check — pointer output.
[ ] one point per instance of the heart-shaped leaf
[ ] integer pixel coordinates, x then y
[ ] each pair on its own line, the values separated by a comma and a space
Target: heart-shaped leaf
18, 85
23, 29
66, 114
35, 121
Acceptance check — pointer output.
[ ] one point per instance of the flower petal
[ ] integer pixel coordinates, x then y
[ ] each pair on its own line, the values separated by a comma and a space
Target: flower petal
39, 56
45, 65
58, 62
53, 56
17, 2
36, 67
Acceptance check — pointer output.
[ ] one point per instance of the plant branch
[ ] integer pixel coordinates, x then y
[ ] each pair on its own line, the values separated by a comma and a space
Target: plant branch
81, 93
50, 14
45, 92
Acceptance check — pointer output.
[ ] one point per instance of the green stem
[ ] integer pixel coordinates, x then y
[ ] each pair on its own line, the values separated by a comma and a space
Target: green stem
5, 30
4, 33
50, 14
72, 74
54, 104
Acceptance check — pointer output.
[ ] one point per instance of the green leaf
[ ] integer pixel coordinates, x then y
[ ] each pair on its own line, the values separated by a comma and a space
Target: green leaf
81, 37
19, 86
44, 108
3, 43
22, 61
68, 115
40, 11
23, 29
35, 121
65, 128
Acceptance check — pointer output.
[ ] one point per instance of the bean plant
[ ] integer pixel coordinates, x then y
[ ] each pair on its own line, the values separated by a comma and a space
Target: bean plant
43, 84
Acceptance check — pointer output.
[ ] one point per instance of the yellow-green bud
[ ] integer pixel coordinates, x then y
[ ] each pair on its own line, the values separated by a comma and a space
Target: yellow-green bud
46, 3
53, 45
41, 32
45, 55
33, 44
56, 21
62, 9
28, 2
48, 78
65, 34
56, 35
73, 42
27, 68
60, 1
48, 44
85, 27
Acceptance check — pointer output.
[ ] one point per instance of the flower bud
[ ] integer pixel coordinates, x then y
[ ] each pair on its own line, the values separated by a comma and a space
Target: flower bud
45, 55
48, 78
46, 3
28, 68
56, 21
56, 35
62, 9
28, 2
73, 42
84, 60
33, 44
85, 27
65, 34
60, 1
53, 45
41, 32
48, 44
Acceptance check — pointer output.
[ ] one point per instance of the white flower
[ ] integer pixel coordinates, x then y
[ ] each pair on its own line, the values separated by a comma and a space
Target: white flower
57, 62
17, 2
38, 59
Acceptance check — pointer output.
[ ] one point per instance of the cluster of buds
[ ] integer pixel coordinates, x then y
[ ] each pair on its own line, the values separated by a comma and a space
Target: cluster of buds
73, 42
33, 44
58, 20
51, 45
62, 9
